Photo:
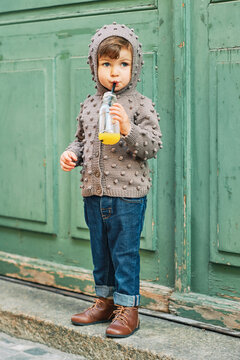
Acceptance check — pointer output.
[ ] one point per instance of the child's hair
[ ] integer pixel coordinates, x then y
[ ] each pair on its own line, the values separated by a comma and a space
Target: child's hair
112, 46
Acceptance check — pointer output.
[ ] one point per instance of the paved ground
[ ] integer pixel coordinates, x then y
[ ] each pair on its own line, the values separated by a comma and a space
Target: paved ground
18, 349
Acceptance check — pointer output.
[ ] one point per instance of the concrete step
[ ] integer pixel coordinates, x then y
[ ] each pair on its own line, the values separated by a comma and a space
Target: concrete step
43, 316
12, 348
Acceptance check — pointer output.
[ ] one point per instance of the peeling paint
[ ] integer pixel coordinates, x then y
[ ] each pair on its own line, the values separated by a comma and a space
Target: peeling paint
208, 314
217, 311
178, 284
184, 210
153, 224
41, 277
155, 302
181, 45
234, 298
80, 275
157, 307
229, 320
89, 289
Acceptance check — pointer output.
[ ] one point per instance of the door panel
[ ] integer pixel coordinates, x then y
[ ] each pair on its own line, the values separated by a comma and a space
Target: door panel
11, 5
26, 137
225, 149
224, 25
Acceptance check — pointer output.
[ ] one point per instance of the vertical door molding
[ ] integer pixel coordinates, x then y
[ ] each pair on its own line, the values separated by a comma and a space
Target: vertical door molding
182, 79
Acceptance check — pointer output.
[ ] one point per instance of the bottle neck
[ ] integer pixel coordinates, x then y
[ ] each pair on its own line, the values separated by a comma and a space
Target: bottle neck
109, 98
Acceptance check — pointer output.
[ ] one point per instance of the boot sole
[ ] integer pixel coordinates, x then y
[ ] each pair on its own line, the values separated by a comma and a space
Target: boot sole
92, 323
123, 336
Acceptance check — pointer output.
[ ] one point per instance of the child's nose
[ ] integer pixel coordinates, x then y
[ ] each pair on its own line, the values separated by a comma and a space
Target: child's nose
114, 71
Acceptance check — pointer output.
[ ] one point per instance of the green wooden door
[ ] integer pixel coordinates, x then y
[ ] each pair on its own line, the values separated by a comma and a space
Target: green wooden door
216, 130
207, 73
44, 77
224, 84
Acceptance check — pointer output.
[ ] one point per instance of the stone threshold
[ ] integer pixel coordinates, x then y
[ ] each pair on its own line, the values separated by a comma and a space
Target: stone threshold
43, 316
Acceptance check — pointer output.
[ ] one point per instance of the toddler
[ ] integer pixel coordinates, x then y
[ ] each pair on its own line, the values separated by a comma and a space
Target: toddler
115, 178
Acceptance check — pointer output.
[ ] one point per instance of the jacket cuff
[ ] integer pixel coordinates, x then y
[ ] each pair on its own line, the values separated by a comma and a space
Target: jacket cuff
77, 153
132, 136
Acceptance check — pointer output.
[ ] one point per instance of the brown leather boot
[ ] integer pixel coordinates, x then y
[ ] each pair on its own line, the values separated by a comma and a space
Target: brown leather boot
101, 311
125, 322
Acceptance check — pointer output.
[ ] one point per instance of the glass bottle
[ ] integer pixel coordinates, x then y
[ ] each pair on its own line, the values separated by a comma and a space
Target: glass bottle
109, 132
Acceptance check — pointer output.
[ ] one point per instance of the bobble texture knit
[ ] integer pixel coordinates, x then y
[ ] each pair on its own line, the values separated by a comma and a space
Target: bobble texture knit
117, 170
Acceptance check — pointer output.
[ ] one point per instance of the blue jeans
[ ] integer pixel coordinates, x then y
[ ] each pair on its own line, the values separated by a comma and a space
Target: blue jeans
115, 226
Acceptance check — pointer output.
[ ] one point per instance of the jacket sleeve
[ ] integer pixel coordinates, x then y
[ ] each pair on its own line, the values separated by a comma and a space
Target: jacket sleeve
77, 145
144, 138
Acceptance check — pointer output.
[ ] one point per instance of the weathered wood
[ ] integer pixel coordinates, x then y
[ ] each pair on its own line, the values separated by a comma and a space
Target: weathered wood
209, 309
182, 46
72, 278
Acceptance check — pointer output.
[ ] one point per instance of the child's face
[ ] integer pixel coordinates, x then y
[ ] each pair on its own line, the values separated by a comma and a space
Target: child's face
117, 71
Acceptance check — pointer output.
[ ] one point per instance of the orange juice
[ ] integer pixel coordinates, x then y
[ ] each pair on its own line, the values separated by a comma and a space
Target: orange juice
109, 138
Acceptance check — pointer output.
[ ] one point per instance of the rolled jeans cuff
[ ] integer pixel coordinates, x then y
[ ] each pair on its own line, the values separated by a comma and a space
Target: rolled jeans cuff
104, 291
126, 300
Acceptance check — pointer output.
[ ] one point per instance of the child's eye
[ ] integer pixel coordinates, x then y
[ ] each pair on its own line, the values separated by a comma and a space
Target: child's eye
124, 64
106, 64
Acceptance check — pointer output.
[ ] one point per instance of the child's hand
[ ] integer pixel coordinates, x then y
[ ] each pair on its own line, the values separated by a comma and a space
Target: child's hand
119, 114
67, 160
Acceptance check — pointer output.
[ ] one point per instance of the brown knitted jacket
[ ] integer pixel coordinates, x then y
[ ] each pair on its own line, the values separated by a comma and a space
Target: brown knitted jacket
117, 170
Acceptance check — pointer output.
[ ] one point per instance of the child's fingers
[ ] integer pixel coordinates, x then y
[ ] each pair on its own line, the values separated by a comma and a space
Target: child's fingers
117, 105
70, 162
115, 112
67, 162
116, 118
69, 158
72, 156
116, 108
66, 167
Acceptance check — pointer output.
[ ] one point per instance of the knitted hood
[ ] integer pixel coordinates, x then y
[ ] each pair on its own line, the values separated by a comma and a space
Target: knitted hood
128, 34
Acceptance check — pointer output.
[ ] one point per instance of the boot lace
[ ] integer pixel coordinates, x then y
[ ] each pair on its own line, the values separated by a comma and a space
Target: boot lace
121, 314
97, 303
